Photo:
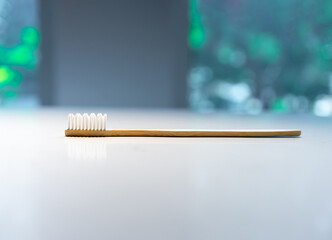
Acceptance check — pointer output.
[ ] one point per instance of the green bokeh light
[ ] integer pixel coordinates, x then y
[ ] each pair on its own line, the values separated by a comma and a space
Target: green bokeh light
6, 75
10, 94
264, 47
280, 105
9, 77
21, 55
30, 36
197, 34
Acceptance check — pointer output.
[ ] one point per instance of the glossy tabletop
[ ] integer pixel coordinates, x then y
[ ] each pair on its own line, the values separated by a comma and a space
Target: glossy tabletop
53, 187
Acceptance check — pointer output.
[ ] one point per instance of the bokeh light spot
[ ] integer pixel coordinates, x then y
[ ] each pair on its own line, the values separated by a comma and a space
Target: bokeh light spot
21, 55
197, 34
30, 35
6, 75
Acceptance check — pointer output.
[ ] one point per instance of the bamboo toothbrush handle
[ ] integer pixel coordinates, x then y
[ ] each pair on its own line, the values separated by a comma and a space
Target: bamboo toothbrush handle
182, 133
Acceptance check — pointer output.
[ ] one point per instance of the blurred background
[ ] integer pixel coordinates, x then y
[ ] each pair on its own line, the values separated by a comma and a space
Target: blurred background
241, 56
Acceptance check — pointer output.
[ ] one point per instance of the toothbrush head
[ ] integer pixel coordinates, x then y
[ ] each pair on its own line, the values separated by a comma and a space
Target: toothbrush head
87, 122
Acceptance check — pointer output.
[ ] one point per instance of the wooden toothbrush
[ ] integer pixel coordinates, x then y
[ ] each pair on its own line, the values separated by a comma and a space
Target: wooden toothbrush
95, 126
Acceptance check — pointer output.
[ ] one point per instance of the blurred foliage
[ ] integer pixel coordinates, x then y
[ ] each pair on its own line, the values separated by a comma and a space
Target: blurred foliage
282, 50
13, 61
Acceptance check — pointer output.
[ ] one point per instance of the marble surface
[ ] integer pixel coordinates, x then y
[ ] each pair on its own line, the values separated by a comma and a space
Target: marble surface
53, 187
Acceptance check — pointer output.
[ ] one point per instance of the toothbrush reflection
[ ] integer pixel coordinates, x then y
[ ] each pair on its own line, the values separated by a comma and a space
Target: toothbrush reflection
86, 149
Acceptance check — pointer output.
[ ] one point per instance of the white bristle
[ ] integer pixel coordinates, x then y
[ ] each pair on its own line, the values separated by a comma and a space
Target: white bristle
87, 122
100, 121
93, 119
80, 122
105, 120
72, 121
77, 121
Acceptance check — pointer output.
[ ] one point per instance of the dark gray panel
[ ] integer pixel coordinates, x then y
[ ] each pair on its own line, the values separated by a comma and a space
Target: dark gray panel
120, 53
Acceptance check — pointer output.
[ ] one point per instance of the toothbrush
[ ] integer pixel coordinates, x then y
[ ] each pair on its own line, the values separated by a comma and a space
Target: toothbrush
95, 126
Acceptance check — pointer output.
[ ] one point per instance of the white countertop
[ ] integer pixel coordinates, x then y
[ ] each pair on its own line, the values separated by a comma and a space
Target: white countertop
53, 187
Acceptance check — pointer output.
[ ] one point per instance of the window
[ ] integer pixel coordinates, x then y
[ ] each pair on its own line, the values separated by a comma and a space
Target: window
250, 55
19, 41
